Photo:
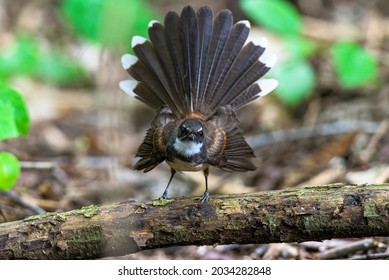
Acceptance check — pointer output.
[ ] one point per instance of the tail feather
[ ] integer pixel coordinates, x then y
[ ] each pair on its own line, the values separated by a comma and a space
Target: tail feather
176, 48
146, 91
147, 55
190, 38
247, 96
247, 57
205, 23
246, 79
145, 94
238, 36
221, 31
160, 42
258, 89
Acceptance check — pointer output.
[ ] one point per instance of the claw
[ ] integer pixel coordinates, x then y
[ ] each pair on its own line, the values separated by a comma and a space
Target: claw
164, 195
204, 198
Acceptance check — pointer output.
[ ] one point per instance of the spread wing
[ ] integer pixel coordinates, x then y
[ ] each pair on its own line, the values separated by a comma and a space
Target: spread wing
196, 63
152, 149
229, 150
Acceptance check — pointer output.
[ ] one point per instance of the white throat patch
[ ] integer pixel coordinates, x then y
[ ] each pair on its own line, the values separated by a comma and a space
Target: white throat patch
187, 148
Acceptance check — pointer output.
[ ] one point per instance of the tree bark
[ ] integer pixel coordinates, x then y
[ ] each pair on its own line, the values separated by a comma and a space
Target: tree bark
290, 215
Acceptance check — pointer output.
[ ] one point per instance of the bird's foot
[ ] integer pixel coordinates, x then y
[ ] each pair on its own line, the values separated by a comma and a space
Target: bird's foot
164, 195
204, 198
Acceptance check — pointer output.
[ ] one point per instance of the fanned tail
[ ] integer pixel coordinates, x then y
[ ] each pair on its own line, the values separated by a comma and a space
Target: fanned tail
197, 63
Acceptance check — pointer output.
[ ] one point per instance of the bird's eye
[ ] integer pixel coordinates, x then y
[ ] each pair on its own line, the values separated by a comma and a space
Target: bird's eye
201, 133
183, 130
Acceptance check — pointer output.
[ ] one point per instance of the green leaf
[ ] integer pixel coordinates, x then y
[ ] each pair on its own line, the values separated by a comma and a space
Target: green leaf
299, 46
19, 58
58, 69
14, 120
296, 81
111, 23
121, 20
9, 170
7, 122
84, 16
277, 15
353, 64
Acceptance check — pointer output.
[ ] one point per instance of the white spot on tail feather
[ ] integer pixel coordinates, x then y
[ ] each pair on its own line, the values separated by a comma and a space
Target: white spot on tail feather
266, 86
152, 22
269, 59
128, 60
137, 40
128, 86
261, 41
245, 22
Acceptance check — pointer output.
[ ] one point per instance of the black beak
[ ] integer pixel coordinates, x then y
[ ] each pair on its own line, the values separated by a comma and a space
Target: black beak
191, 137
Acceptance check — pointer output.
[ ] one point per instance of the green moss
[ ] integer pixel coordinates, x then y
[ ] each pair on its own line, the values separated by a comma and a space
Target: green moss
89, 238
89, 211
38, 217
235, 225
230, 203
61, 217
161, 202
272, 223
370, 210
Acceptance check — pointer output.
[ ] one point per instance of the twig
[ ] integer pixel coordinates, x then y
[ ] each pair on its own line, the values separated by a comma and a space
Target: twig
312, 131
376, 256
16, 198
342, 251
374, 141
58, 173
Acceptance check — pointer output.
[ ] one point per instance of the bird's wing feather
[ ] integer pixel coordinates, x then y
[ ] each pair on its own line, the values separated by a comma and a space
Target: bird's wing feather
152, 149
229, 150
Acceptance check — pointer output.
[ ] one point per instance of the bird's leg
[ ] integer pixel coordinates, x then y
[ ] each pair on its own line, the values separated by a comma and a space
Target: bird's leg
164, 195
205, 196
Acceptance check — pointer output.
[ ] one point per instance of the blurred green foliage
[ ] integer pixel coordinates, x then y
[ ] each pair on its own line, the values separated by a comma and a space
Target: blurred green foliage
57, 68
353, 64
297, 78
24, 57
110, 23
9, 170
276, 15
20, 58
296, 81
14, 118
14, 122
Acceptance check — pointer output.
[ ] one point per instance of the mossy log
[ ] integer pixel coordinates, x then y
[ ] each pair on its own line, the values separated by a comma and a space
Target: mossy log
290, 215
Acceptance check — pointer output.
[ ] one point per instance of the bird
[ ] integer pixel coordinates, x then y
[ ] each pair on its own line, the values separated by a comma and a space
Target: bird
196, 71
